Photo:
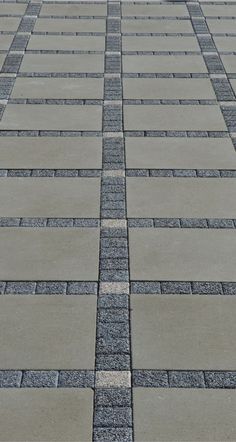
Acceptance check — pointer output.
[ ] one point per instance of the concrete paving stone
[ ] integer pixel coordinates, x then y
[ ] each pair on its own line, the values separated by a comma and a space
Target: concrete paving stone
225, 43
44, 197
206, 254
171, 117
154, 10
68, 88
51, 117
219, 10
140, 43
229, 62
157, 26
49, 254
87, 63
184, 415
179, 153
66, 43
9, 23
163, 64
5, 41
47, 332
179, 198
2, 59
74, 9
167, 88
50, 152
233, 84
12, 8
222, 26
176, 332
46, 414
69, 25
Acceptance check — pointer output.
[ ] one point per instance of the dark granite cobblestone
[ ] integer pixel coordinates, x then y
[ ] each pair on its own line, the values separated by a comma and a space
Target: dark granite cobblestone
48, 287
183, 287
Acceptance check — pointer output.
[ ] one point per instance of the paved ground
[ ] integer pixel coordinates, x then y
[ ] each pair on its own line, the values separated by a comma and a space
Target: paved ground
118, 217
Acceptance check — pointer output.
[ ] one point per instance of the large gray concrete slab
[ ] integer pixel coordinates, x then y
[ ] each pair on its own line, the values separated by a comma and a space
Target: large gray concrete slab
173, 117
229, 62
179, 153
50, 152
49, 254
47, 332
181, 198
140, 43
168, 88
188, 415
68, 88
227, 44
157, 26
182, 254
183, 332
50, 197
5, 42
9, 23
79, 9
222, 26
163, 64
69, 25
154, 10
12, 8
66, 43
45, 414
76, 63
219, 10
52, 117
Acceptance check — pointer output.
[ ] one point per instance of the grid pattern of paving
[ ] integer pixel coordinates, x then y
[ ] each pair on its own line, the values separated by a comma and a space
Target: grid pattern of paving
117, 219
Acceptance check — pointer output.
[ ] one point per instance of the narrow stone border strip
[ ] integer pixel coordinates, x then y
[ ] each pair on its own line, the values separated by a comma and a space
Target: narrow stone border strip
48, 288
117, 391
184, 223
62, 173
50, 222
183, 288
184, 173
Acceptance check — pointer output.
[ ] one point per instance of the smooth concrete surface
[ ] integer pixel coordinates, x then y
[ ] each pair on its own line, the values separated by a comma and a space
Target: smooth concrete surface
168, 88
75, 10
179, 153
9, 23
5, 42
180, 197
182, 254
36, 254
46, 414
221, 26
66, 43
162, 64
46, 332
183, 332
75, 63
51, 117
227, 44
12, 8
154, 26
50, 197
51, 152
229, 62
219, 10
67, 88
173, 117
140, 43
149, 10
69, 25
186, 415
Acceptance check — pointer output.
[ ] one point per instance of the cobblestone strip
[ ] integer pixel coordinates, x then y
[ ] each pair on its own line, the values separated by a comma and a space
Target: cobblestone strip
113, 401
48, 288
16, 52
219, 79
119, 398
183, 288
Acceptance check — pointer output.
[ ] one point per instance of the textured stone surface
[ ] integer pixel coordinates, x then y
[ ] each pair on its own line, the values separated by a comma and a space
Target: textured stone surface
33, 411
